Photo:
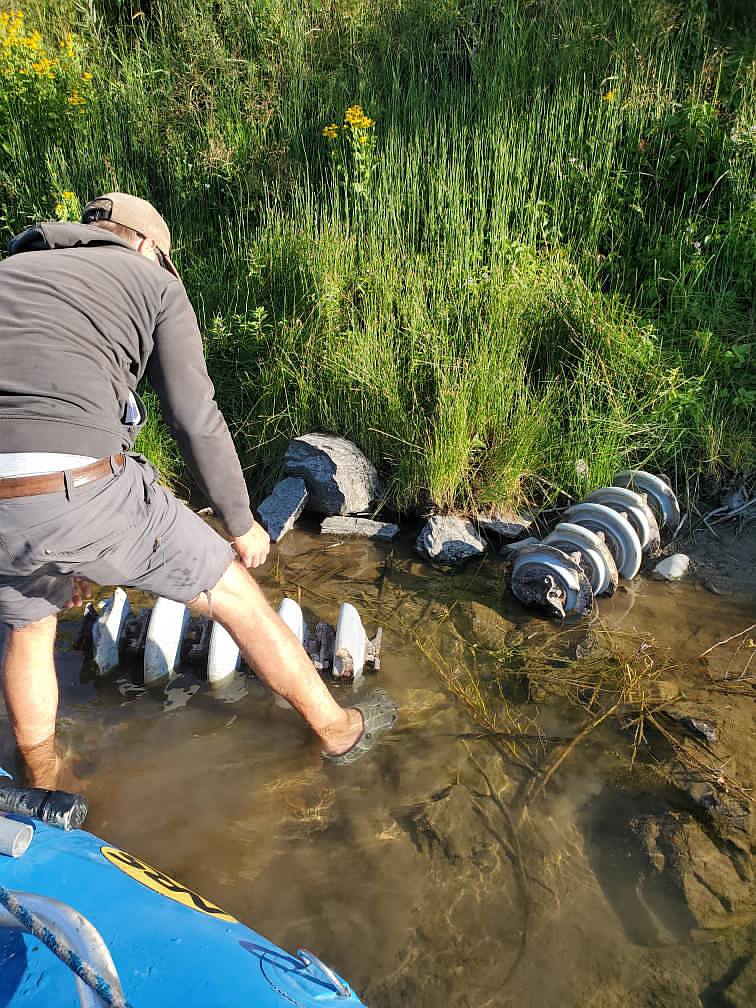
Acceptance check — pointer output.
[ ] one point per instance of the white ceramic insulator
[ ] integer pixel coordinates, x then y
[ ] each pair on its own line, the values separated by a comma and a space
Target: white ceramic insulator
351, 643
107, 630
15, 836
168, 624
291, 614
223, 656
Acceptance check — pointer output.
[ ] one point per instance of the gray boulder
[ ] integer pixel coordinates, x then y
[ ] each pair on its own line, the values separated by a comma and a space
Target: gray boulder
449, 540
282, 507
339, 478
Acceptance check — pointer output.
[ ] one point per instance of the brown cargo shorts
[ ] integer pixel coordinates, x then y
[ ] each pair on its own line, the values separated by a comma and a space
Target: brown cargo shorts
123, 529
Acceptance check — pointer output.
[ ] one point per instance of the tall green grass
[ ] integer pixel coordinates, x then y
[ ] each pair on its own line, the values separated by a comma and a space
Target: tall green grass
549, 277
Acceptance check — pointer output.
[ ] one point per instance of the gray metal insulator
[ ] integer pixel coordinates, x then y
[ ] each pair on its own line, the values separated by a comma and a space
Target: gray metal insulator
596, 558
549, 578
134, 634
195, 643
660, 494
639, 514
620, 536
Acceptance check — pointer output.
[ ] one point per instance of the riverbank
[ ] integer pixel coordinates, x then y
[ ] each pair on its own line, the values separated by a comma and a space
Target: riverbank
526, 263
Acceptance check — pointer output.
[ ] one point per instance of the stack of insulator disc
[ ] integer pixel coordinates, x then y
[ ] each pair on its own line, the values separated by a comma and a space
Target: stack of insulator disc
604, 539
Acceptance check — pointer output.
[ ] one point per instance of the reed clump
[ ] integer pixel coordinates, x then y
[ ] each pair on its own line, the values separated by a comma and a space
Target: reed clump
507, 248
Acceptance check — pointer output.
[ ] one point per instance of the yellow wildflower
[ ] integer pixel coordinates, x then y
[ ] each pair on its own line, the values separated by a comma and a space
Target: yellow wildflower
355, 119
43, 67
76, 99
610, 96
59, 208
67, 195
330, 132
86, 76
353, 114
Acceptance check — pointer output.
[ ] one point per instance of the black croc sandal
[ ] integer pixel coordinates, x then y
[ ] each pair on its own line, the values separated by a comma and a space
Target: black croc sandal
379, 714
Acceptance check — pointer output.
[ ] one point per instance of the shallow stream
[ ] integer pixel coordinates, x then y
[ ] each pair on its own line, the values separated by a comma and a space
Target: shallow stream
438, 870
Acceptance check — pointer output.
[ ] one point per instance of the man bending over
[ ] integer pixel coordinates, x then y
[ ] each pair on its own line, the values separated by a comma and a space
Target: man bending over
86, 310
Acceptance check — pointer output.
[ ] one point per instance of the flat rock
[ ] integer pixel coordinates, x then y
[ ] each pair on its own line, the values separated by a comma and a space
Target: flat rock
337, 525
282, 507
449, 540
653, 693
741, 993
508, 526
728, 816
448, 828
481, 624
672, 568
683, 859
514, 547
339, 478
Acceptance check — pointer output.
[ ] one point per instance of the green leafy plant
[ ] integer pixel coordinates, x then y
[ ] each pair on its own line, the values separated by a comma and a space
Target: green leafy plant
353, 152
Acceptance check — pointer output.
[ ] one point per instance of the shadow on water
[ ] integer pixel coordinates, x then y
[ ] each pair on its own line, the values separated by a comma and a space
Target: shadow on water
498, 848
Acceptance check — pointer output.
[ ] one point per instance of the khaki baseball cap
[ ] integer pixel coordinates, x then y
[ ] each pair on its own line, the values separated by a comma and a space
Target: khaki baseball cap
135, 213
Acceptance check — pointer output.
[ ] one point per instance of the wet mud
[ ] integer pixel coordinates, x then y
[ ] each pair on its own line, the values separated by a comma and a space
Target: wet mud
539, 830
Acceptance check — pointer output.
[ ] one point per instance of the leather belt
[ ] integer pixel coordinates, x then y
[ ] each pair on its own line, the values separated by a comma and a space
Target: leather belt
30, 486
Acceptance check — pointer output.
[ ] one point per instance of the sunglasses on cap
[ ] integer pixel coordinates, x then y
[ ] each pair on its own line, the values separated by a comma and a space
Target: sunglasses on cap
94, 214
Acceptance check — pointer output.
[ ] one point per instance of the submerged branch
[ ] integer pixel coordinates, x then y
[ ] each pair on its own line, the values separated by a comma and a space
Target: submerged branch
728, 639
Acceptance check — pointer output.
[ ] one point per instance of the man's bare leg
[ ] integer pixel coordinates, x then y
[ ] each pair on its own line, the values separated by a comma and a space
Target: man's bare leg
275, 655
30, 686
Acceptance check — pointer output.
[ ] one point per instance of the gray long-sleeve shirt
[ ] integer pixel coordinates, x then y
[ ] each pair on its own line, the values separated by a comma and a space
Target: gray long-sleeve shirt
83, 317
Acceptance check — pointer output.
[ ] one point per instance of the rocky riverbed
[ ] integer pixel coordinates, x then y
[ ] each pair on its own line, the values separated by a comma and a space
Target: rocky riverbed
563, 816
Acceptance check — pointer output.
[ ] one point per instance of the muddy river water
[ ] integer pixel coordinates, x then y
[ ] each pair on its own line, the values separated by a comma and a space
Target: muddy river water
476, 857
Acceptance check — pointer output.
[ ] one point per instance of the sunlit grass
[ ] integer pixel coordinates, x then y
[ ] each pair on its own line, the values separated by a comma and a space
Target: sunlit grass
534, 266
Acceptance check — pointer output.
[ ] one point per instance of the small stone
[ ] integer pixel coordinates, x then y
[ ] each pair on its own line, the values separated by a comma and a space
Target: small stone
735, 499
282, 507
672, 568
514, 547
449, 540
653, 693
696, 722
346, 526
537, 692
339, 478
509, 526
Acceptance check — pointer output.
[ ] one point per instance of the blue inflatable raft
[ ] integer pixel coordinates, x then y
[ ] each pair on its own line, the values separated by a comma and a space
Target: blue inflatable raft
72, 904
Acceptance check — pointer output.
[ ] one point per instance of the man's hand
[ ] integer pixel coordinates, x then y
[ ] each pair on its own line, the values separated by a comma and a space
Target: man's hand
253, 546
82, 592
